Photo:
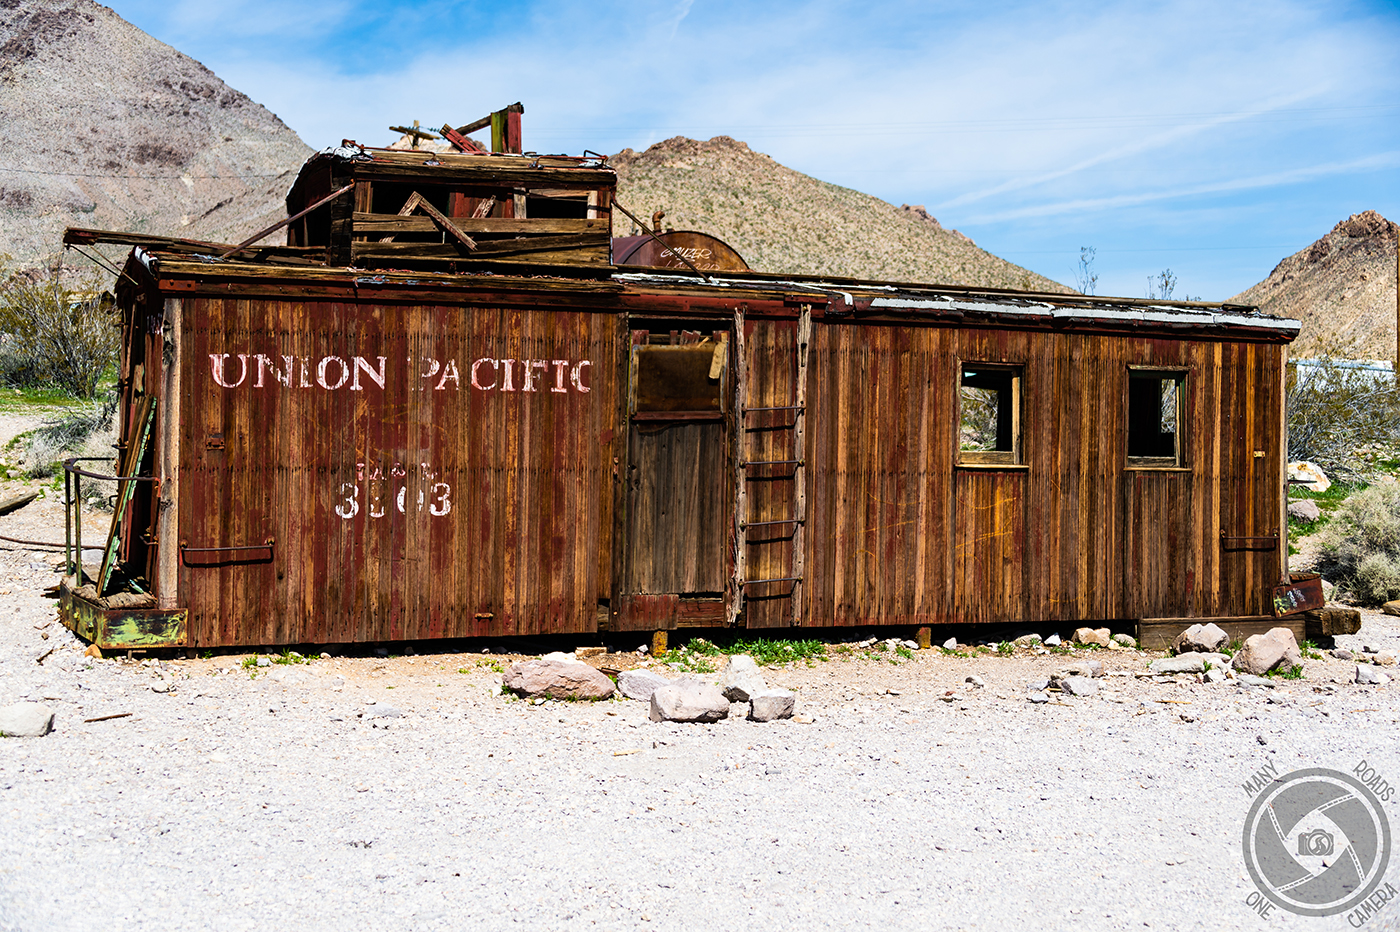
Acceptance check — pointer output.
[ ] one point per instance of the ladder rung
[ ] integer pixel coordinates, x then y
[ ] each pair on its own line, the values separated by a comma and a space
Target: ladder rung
769, 523
782, 408
770, 463
755, 582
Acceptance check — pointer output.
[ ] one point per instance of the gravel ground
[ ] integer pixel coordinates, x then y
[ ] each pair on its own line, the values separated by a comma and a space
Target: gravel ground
235, 801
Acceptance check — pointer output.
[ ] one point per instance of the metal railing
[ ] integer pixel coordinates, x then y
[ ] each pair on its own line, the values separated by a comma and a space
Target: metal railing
73, 511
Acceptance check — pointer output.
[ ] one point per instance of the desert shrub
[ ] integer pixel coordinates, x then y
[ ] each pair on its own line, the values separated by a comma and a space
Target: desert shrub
54, 335
1335, 410
1361, 546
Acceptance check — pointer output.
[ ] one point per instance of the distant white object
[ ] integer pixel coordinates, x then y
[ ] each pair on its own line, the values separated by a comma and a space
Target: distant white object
1309, 476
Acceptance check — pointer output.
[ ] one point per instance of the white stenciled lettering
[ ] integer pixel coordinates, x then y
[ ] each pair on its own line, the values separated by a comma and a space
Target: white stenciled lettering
266, 362
443, 505
449, 374
576, 376
217, 363
428, 369
324, 364
532, 368
508, 375
305, 380
351, 505
376, 376
476, 374
561, 369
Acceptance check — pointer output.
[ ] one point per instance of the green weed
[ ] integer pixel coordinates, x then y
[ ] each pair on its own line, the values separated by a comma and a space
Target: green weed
1006, 648
289, 656
1310, 650
908, 654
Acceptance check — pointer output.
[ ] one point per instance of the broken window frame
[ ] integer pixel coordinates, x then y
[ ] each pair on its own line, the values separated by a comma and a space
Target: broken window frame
1158, 460
641, 407
1008, 450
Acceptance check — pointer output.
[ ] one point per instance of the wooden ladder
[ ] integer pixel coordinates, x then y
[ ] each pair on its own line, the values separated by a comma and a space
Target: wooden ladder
740, 582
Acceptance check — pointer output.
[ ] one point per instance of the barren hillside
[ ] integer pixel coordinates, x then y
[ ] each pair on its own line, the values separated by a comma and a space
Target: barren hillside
1342, 288
781, 220
107, 127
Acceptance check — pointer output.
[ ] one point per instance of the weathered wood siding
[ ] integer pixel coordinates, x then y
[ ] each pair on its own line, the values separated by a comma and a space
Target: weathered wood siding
902, 534
430, 507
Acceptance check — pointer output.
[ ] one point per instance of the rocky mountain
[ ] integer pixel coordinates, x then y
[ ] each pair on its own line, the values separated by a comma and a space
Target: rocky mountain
107, 127
1342, 288
781, 220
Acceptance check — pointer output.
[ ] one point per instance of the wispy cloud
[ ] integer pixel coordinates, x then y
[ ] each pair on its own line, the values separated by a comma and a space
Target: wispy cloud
1370, 163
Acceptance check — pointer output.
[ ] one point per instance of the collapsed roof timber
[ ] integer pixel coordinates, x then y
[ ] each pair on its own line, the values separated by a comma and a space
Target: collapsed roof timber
442, 411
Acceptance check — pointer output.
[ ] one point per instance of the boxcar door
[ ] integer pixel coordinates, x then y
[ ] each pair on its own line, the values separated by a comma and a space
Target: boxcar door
678, 514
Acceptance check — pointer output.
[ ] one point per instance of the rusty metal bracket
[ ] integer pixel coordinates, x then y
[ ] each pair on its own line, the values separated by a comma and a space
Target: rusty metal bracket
185, 548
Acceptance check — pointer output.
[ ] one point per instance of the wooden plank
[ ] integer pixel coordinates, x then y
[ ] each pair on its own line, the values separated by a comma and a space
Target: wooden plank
579, 179
393, 223
581, 244
739, 355
1158, 633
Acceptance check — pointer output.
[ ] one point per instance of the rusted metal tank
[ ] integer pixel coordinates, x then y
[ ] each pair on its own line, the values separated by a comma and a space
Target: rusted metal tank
707, 253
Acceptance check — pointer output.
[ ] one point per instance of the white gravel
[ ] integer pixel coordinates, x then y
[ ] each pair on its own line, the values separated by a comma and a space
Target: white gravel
238, 803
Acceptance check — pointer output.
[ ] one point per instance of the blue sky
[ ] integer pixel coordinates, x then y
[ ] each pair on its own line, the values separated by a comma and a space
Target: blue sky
1211, 138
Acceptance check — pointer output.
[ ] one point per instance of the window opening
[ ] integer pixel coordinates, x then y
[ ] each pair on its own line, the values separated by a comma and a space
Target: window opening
990, 411
1155, 416
686, 379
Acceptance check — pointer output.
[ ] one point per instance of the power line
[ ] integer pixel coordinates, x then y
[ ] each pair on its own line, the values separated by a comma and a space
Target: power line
35, 171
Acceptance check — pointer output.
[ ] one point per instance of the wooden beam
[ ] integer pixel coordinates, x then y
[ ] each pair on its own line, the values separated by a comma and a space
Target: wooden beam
579, 243
393, 223
580, 179
1158, 633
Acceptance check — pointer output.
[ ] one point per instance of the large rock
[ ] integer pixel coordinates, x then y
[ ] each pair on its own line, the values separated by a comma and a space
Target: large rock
1276, 649
1028, 641
688, 701
771, 705
1368, 675
1096, 636
1305, 511
26, 720
1309, 476
557, 679
740, 680
1076, 685
1125, 640
640, 684
1201, 639
1081, 668
1392, 607
1181, 663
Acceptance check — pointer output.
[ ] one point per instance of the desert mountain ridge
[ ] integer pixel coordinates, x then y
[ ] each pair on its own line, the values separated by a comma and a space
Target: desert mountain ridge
781, 220
1342, 288
107, 127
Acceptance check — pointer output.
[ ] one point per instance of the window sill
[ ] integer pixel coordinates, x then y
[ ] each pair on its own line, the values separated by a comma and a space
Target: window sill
1004, 467
1134, 468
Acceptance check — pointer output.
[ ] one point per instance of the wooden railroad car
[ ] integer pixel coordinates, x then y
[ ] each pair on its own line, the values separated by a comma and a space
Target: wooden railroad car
441, 411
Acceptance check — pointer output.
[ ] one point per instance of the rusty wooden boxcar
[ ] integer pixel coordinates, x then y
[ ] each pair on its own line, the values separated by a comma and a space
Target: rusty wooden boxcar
441, 411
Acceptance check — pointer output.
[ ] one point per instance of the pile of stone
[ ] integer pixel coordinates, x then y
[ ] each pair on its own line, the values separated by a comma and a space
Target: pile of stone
693, 699
689, 698
1103, 637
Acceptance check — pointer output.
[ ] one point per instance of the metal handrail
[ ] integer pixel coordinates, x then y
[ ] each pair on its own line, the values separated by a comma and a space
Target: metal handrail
73, 509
